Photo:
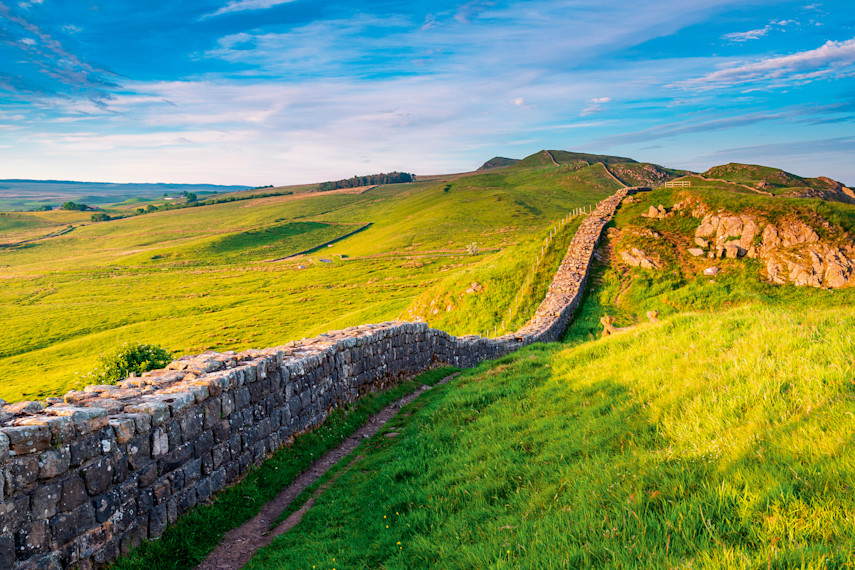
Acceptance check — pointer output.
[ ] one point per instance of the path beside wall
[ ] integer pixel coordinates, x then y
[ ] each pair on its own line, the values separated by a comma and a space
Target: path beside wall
86, 480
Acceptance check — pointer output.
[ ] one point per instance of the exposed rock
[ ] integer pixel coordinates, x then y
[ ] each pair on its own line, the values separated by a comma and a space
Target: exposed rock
711, 271
475, 288
792, 250
652, 212
696, 251
701, 242
733, 250
637, 258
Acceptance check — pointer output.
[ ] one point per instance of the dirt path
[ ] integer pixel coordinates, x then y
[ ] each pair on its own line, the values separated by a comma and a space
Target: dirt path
552, 158
737, 184
612, 174
239, 545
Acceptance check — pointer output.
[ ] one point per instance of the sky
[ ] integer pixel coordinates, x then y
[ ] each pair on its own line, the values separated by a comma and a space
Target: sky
262, 92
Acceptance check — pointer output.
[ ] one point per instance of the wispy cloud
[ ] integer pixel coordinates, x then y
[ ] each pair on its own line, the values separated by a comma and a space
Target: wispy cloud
595, 105
65, 72
245, 5
833, 59
739, 37
749, 35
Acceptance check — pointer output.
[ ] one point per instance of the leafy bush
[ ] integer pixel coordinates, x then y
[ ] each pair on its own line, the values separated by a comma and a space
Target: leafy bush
100, 217
127, 359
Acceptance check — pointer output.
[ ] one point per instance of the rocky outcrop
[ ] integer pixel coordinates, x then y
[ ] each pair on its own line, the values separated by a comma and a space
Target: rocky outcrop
728, 236
791, 250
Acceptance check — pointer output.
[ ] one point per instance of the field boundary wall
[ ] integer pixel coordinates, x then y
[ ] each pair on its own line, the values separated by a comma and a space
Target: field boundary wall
86, 480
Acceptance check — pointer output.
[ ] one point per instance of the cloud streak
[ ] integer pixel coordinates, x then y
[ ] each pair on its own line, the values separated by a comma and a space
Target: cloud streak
833, 59
246, 5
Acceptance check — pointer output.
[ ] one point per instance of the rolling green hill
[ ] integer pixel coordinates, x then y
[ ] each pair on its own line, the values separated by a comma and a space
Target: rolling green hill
205, 278
714, 438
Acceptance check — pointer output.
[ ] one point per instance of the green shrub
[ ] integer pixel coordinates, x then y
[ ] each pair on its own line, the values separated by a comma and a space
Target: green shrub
127, 359
100, 217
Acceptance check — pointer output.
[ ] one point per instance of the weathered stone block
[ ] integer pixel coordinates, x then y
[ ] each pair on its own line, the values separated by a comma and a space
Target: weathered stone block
31, 540
13, 512
98, 475
45, 500
106, 505
85, 448
139, 451
124, 427
73, 493
156, 410
211, 411
63, 528
175, 459
191, 424
27, 439
54, 462
157, 521
21, 472
159, 443
85, 420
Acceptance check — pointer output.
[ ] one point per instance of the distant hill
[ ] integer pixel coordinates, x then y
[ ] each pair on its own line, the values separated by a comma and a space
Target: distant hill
18, 194
626, 170
498, 162
777, 182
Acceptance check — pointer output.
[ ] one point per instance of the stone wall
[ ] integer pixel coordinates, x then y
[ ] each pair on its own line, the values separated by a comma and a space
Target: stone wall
86, 479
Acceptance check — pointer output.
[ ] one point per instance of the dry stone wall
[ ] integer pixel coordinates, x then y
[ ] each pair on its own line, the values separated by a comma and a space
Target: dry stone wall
88, 478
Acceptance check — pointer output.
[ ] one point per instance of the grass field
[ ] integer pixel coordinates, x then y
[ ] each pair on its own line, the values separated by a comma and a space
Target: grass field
709, 440
197, 279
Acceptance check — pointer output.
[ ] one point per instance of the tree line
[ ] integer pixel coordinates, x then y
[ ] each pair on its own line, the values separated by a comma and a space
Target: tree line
370, 180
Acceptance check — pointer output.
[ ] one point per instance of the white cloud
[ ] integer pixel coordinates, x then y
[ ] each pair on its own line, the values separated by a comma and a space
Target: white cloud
833, 59
519, 101
749, 35
595, 105
244, 5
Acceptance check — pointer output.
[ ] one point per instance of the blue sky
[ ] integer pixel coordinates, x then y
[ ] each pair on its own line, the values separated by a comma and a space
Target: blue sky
277, 92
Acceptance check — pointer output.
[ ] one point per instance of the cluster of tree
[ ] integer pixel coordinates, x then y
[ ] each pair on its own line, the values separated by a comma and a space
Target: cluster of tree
193, 202
78, 207
101, 217
370, 180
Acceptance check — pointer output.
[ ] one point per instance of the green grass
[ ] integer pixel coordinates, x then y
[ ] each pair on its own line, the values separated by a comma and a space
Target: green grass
708, 440
503, 302
628, 293
195, 279
186, 543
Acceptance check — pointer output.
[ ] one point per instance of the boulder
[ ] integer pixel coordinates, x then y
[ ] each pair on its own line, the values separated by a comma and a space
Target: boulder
732, 250
652, 212
696, 251
701, 242
637, 258
711, 271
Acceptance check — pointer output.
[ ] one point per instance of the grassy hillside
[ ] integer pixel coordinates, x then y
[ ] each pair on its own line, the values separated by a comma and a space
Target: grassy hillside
627, 293
203, 278
709, 440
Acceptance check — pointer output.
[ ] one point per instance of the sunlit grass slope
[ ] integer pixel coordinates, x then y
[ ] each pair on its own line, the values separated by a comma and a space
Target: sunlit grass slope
202, 278
627, 293
708, 440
